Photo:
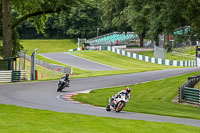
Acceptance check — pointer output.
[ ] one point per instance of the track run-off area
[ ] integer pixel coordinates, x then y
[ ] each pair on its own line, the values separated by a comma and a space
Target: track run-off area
43, 95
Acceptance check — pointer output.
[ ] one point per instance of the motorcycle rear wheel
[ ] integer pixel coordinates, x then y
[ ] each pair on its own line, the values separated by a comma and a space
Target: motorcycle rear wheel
108, 108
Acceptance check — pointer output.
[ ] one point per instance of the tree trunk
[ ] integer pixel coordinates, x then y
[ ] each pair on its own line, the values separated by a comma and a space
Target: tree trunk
157, 41
141, 40
7, 32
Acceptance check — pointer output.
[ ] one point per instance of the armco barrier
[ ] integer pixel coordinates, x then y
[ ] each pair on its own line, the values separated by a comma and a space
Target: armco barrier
18, 76
12, 76
190, 63
187, 92
192, 95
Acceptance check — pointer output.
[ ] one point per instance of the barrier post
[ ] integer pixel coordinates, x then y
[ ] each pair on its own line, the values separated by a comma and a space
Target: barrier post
36, 74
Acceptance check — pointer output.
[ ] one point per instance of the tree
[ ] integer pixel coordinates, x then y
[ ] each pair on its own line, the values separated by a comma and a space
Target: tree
137, 13
7, 32
81, 21
84, 21
114, 16
126, 15
192, 16
152, 18
29, 9
164, 18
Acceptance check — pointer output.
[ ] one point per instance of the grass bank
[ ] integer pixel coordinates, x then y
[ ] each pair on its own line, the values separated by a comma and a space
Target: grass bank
128, 65
152, 98
185, 50
48, 45
25, 120
43, 73
122, 62
169, 56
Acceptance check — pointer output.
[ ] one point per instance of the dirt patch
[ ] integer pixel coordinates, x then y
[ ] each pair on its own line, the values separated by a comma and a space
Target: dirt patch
175, 100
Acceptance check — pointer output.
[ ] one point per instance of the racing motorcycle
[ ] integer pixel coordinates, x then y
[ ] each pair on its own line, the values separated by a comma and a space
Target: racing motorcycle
118, 103
62, 84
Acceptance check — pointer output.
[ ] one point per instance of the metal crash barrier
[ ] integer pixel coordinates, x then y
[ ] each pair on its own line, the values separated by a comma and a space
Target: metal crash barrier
187, 92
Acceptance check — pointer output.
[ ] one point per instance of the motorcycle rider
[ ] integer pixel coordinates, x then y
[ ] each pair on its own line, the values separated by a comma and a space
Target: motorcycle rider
127, 93
65, 78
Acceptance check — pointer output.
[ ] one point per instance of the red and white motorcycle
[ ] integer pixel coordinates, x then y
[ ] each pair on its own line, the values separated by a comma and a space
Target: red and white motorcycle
118, 103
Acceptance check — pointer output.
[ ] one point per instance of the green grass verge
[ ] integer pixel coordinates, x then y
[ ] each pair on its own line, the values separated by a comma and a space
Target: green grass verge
105, 57
122, 62
169, 56
152, 98
43, 73
197, 86
25, 120
76, 71
48, 45
128, 65
187, 50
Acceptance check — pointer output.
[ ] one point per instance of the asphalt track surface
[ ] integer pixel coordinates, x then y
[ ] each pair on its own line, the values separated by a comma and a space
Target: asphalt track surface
78, 62
43, 95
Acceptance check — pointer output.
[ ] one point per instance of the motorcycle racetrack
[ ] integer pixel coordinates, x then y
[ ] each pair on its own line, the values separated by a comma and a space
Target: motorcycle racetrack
43, 95
78, 62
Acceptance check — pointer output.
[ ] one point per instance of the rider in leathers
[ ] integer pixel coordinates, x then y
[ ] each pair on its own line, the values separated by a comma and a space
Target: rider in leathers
66, 78
126, 92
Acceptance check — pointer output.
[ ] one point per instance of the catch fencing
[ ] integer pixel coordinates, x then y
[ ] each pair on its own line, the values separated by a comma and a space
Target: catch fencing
12, 76
187, 92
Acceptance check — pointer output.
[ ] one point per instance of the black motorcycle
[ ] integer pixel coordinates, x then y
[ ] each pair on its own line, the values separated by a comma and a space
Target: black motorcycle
62, 84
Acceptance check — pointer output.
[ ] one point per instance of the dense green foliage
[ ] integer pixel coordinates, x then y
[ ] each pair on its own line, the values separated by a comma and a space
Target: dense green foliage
16, 12
79, 22
153, 97
151, 18
76, 18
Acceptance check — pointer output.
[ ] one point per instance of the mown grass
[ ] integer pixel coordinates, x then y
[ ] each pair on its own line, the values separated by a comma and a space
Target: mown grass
43, 73
122, 62
197, 86
152, 98
48, 45
76, 71
186, 50
16, 119
128, 65
169, 56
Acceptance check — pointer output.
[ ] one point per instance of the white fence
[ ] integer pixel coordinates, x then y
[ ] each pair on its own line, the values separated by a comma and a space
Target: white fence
6, 76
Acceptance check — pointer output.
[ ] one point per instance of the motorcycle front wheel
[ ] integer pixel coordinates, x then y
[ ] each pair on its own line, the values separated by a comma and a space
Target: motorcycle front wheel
120, 106
60, 88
